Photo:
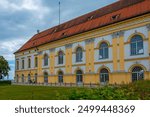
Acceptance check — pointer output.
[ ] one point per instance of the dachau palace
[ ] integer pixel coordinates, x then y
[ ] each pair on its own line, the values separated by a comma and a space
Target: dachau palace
109, 45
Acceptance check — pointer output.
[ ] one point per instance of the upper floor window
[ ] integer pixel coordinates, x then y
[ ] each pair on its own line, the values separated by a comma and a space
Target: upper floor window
137, 45
60, 57
45, 60
103, 51
79, 54
29, 63
17, 65
36, 62
22, 64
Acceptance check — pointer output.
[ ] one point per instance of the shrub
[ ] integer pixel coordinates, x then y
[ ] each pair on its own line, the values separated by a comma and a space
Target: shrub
2, 83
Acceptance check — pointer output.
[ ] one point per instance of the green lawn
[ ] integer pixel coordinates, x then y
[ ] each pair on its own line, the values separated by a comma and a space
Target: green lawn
138, 90
33, 92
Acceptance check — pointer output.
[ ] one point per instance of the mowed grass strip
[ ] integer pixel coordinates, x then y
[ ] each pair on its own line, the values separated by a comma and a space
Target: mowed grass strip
13, 92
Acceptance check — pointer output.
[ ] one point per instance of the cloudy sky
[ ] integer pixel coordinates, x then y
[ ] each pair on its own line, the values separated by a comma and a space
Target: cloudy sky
20, 19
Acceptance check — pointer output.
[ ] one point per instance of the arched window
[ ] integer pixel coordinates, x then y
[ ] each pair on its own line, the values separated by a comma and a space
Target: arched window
103, 51
35, 78
45, 60
79, 54
29, 78
79, 76
22, 78
17, 65
45, 77
104, 76
29, 63
60, 57
36, 62
137, 74
22, 64
137, 45
60, 77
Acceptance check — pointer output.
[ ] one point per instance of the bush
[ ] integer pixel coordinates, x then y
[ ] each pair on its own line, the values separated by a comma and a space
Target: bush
2, 83
133, 91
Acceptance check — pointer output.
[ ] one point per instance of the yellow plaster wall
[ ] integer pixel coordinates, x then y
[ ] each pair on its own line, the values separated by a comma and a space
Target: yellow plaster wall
114, 77
121, 53
68, 65
115, 54
52, 62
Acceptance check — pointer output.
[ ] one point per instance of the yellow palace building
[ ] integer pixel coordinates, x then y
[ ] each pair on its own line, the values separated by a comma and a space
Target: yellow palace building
110, 45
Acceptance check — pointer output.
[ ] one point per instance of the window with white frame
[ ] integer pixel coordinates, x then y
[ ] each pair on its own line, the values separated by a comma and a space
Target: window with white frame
104, 75
137, 73
60, 77
137, 45
79, 54
45, 60
17, 65
36, 61
103, 50
60, 57
79, 76
22, 64
45, 77
29, 63
22, 78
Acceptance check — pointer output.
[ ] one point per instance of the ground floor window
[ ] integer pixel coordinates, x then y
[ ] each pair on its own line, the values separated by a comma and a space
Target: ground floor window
17, 78
104, 76
22, 78
60, 77
29, 78
35, 78
79, 76
45, 77
137, 74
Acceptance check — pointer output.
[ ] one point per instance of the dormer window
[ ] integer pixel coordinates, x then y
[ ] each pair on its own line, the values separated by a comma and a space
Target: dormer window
90, 18
115, 17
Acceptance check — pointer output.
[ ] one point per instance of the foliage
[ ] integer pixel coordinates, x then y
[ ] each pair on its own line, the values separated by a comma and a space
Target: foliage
3, 83
139, 90
4, 67
133, 91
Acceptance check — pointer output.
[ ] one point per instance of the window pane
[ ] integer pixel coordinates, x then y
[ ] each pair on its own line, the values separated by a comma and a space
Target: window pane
103, 51
137, 45
79, 55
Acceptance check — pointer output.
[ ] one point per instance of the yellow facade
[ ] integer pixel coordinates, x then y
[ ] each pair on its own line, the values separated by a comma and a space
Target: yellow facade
119, 68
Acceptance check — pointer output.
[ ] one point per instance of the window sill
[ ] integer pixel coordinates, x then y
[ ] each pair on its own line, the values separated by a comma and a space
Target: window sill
136, 54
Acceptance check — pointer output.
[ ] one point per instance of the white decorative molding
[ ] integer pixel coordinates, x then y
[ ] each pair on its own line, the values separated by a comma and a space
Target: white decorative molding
52, 50
68, 46
115, 35
88, 41
148, 27
121, 33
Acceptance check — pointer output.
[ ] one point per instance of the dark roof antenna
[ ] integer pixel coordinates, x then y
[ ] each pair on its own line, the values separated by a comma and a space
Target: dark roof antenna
59, 12
38, 31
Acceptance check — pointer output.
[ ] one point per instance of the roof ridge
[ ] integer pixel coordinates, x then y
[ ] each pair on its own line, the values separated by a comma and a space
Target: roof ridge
127, 11
90, 13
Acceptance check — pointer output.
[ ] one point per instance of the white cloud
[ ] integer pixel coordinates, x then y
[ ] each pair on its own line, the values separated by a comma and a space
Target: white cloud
33, 6
7, 48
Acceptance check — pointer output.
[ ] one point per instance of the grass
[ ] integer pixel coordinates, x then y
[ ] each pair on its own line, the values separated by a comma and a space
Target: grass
134, 91
33, 92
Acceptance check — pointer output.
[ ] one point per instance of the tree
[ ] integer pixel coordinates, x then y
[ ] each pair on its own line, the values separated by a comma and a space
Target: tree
4, 67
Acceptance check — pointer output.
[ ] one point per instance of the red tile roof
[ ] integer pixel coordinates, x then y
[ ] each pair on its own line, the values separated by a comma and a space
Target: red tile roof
113, 13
